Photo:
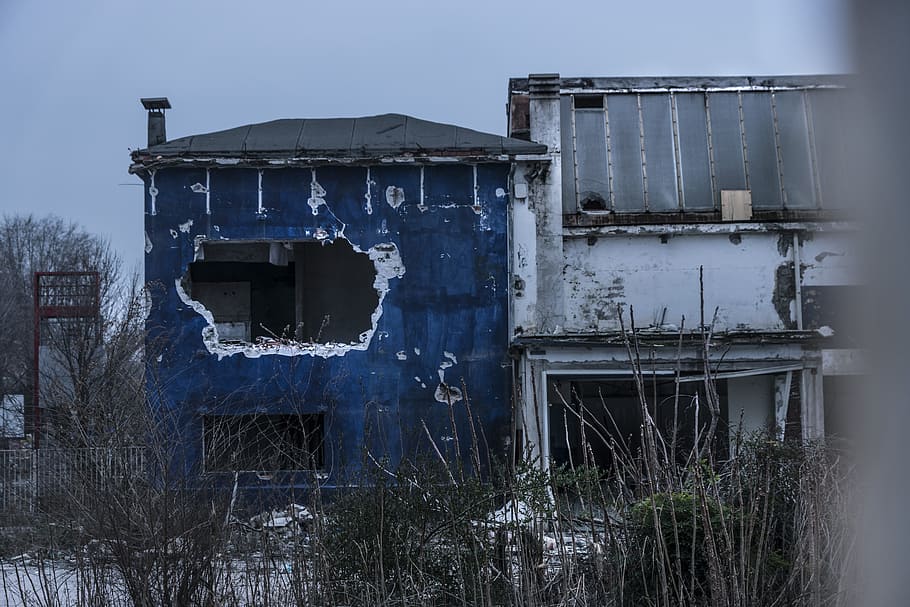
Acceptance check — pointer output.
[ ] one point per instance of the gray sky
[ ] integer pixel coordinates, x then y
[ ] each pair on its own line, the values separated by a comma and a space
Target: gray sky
72, 72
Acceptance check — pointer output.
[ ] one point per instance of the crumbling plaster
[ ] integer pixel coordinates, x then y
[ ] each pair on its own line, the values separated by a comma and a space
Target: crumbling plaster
439, 244
570, 283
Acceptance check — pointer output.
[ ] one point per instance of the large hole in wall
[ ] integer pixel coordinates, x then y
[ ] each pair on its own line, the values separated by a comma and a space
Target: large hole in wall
305, 291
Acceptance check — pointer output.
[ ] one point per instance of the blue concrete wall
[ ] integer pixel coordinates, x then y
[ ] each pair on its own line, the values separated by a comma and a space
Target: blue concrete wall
452, 298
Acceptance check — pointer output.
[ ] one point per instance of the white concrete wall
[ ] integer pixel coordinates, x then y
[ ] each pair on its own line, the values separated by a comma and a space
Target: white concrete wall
650, 276
830, 258
747, 272
747, 276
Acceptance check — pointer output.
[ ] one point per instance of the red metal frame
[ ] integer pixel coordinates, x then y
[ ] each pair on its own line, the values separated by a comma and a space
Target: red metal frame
60, 295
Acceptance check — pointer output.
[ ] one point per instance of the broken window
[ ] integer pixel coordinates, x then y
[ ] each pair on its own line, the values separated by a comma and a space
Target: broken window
263, 442
607, 414
307, 291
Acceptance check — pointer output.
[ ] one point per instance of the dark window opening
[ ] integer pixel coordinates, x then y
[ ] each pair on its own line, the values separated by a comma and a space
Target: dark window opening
336, 298
612, 418
308, 291
589, 101
263, 442
843, 395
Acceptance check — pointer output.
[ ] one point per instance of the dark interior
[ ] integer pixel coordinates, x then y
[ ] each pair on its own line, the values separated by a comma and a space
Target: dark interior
611, 408
316, 293
263, 442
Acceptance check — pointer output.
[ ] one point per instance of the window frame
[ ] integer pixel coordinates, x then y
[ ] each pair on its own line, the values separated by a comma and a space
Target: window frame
315, 435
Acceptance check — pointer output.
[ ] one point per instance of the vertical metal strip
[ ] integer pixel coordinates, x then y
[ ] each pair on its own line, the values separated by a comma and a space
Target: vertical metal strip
208, 190
797, 272
742, 137
813, 149
421, 186
36, 376
575, 155
677, 154
641, 145
780, 158
609, 155
259, 208
476, 187
715, 195
368, 197
153, 192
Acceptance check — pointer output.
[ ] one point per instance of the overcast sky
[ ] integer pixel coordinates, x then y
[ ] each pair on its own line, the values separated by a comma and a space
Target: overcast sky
72, 73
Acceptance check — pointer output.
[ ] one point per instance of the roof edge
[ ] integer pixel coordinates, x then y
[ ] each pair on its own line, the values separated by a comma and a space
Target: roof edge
620, 83
370, 137
144, 163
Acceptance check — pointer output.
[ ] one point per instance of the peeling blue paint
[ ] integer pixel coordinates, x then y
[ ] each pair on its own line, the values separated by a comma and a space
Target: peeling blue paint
442, 308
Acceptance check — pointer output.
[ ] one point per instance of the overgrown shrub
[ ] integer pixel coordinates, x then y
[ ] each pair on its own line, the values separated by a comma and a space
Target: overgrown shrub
673, 533
411, 537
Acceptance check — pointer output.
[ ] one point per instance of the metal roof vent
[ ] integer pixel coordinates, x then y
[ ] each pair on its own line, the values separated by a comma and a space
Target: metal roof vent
156, 107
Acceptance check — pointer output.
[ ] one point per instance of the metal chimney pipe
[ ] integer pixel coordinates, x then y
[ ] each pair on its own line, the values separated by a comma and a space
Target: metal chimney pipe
156, 126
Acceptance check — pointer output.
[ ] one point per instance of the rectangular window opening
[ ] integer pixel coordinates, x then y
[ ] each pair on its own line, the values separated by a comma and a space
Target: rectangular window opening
310, 292
589, 101
608, 414
263, 442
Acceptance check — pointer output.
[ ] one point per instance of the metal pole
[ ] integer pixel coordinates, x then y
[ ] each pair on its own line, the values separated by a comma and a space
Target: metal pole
36, 410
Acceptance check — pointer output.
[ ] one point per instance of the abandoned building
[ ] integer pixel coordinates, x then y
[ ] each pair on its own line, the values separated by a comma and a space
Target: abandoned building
333, 289
327, 290
700, 206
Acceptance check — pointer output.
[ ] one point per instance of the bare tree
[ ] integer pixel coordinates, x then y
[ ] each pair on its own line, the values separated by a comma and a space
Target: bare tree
90, 357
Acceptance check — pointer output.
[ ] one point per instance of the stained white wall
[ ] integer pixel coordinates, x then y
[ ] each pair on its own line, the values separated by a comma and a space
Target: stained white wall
651, 276
748, 274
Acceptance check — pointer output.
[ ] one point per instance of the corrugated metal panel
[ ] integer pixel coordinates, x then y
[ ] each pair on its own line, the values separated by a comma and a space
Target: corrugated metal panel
796, 162
592, 175
660, 159
625, 152
727, 142
762, 149
831, 145
678, 149
693, 151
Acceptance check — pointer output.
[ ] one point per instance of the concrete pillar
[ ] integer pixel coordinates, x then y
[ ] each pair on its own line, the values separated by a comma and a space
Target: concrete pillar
546, 203
813, 404
534, 411
523, 250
